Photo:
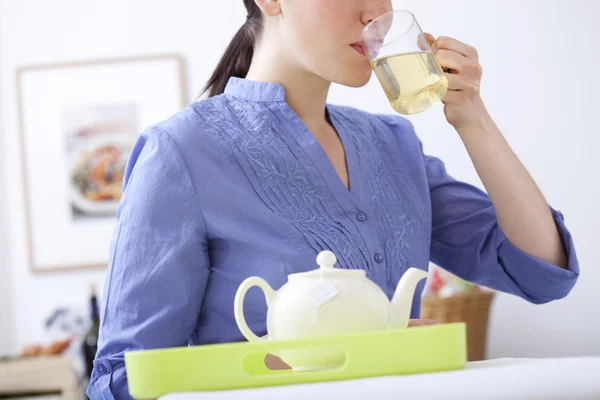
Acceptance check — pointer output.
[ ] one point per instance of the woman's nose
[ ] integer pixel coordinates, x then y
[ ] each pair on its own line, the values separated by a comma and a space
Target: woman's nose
375, 8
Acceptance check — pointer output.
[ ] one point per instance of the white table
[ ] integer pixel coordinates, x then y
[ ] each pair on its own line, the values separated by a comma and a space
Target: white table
551, 378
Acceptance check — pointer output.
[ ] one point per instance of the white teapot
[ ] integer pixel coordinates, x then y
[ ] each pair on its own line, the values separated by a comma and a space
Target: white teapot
325, 302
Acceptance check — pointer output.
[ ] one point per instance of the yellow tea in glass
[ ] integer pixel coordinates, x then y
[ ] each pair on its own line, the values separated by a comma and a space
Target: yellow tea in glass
403, 62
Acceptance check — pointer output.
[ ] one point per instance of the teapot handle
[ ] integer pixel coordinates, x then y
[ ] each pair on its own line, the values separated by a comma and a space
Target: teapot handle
238, 305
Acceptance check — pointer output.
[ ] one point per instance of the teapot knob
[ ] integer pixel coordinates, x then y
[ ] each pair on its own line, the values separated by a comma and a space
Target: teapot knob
326, 259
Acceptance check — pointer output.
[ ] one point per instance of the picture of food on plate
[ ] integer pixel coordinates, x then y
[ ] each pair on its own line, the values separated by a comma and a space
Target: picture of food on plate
99, 140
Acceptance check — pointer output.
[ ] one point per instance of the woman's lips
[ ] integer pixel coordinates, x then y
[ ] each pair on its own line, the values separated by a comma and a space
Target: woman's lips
358, 47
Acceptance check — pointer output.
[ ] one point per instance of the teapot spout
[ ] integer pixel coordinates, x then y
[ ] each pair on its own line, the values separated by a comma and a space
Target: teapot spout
402, 300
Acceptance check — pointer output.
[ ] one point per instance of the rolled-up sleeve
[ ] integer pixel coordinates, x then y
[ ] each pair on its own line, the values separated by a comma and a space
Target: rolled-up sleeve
468, 242
159, 263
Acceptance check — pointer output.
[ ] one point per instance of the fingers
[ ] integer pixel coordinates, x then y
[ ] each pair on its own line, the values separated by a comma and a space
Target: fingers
429, 37
454, 97
275, 363
421, 322
450, 60
448, 43
458, 83
424, 41
457, 63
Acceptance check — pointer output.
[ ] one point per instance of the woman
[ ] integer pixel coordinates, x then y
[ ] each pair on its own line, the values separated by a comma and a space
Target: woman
262, 175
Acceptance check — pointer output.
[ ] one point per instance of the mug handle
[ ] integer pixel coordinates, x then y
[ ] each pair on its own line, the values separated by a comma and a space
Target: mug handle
238, 305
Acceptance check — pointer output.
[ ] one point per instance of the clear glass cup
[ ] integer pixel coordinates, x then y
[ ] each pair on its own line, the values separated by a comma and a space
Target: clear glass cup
403, 61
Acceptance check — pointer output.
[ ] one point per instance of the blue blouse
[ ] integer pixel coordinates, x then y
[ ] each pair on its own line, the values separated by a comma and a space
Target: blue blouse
236, 186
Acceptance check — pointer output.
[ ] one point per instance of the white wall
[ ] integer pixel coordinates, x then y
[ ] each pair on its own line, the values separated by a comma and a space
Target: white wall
6, 333
539, 84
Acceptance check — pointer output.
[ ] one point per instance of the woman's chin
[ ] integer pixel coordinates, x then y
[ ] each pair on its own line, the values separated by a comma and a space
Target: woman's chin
356, 79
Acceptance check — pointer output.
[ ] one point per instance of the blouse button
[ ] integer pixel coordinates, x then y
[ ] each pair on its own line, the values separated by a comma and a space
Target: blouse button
102, 369
362, 217
378, 258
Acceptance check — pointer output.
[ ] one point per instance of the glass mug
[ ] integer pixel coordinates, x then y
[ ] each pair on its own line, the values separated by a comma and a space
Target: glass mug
403, 62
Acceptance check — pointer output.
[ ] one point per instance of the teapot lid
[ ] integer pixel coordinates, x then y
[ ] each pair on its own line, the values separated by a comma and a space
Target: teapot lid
326, 260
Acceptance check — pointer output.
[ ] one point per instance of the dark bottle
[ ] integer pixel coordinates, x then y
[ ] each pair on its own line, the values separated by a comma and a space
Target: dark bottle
90, 340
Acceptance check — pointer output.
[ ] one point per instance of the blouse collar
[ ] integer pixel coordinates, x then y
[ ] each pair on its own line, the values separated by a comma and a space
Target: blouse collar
254, 90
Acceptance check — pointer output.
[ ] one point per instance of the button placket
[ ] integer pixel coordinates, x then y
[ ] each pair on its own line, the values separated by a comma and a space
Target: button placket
376, 263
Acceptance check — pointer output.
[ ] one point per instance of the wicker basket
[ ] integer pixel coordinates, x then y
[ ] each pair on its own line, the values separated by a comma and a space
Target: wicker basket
471, 307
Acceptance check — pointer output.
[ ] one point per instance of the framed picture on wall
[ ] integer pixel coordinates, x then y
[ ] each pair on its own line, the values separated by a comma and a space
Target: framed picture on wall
78, 122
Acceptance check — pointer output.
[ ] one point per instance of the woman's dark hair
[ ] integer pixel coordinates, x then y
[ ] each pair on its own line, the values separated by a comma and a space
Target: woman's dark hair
238, 56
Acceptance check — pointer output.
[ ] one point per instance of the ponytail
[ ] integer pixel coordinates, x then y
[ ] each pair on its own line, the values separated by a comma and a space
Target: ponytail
238, 56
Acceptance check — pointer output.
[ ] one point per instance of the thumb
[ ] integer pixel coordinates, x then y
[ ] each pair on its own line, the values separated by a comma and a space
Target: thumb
425, 41
430, 38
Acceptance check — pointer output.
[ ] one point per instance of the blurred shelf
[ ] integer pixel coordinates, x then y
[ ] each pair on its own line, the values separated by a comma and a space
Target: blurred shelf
28, 377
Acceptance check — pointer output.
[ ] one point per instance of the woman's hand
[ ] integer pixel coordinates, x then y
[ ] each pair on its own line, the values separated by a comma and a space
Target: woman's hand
421, 322
463, 104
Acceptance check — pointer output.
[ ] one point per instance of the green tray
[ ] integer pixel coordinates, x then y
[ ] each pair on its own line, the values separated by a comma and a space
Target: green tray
155, 373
